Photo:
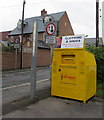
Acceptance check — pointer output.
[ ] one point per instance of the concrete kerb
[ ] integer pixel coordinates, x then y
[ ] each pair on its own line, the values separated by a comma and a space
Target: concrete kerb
25, 101
22, 70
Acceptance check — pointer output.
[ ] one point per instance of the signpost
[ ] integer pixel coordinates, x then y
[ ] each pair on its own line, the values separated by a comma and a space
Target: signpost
33, 65
51, 32
16, 46
17, 43
50, 35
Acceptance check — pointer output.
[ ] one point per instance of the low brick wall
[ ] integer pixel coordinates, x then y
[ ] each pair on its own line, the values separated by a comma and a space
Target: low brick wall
43, 57
9, 62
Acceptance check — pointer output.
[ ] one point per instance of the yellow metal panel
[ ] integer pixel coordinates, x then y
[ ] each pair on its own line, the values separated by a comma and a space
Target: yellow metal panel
73, 74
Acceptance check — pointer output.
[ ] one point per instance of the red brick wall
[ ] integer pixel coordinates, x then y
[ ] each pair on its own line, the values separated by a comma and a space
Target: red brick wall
8, 59
27, 60
43, 57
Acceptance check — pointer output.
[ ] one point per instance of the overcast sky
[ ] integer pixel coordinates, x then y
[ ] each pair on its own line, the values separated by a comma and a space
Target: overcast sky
81, 13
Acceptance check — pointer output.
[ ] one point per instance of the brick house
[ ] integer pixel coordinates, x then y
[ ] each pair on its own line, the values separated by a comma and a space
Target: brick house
4, 35
64, 28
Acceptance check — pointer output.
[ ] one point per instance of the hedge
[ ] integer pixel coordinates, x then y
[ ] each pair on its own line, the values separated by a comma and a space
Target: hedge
99, 56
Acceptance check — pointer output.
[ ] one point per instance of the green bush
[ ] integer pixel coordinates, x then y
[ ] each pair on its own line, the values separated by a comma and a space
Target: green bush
99, 56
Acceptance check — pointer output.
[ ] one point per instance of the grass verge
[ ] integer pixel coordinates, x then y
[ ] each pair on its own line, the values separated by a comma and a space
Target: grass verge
100, 90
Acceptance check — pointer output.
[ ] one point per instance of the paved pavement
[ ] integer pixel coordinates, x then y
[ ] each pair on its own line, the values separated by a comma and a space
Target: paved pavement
53, 107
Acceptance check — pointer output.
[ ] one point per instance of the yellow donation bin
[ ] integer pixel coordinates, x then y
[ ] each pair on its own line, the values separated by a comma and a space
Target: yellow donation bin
73, 74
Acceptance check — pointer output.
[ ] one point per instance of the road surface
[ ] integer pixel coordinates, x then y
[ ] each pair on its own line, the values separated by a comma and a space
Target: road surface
16, 86
23, 77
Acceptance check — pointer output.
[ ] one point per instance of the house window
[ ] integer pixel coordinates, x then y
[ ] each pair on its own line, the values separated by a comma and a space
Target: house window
12, 37
28, 44
65, 23
43, 36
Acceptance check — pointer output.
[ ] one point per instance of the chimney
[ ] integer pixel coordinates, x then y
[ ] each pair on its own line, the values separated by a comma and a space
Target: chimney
43, 12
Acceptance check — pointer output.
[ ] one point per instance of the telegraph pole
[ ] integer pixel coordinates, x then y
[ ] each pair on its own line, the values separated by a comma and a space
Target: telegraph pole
97, 22
22, 26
